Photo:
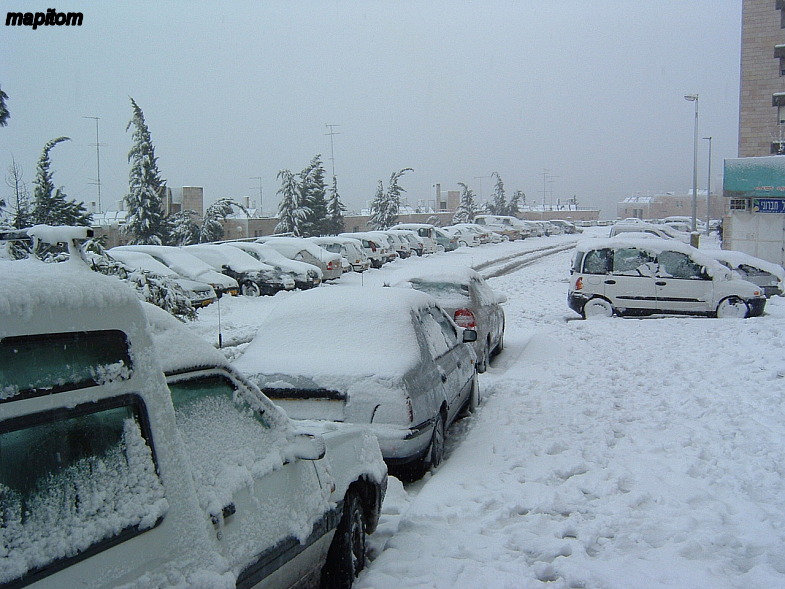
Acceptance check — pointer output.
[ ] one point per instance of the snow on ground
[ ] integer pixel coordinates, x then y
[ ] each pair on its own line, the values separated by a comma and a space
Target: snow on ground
619, 453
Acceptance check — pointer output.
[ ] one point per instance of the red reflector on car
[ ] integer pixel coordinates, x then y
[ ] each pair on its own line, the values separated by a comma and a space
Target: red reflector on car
465, 318
579, 283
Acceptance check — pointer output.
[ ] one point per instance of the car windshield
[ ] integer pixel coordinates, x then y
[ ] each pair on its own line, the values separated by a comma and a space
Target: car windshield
449, 294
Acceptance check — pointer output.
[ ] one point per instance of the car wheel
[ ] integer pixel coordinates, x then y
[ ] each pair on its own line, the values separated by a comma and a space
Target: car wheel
500, 346
597, 308
733, 307
346, 557
250, 289
463, 244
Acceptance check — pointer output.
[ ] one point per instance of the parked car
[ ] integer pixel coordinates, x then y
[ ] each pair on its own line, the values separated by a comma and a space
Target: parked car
504, 225
185, 264
425, 231
566, 226
662, 231
378, 251
201, 294
388, 244
350, 249
326, 354
445, 240
403, 246
302, 250
472, 303
535, 228
644, 276
305, 275
770, 277
254, 277
113, 474
464, 236
483, 234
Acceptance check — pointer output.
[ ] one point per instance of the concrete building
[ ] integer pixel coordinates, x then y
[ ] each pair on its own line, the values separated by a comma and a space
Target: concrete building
754, 183
659, 206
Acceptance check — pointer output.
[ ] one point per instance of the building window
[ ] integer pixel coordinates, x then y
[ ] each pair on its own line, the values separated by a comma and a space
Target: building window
738, 204
781, 115
778, 147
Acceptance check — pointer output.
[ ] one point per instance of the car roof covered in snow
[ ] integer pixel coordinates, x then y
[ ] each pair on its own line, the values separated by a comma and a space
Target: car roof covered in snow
348, 331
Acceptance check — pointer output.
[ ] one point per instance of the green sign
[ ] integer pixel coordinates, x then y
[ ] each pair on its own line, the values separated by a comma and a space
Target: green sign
755, 177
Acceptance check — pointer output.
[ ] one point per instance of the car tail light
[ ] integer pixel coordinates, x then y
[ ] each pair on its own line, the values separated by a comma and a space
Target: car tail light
409, 409
579, 283
331, 265
465, 318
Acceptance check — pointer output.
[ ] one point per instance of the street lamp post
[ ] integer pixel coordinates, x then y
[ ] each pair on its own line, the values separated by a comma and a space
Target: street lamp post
694, 98
708, 190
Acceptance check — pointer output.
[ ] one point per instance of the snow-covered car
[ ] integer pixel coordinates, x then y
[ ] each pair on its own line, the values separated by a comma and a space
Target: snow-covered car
465, 236
254, 277
504, 225
567, 226
388, 244
770, 277
350, 249
445, 240
472, 303
326, 354
201, 294
185, 264
401, 242
305, 275
661, 231
377, 250
425, 232
115, 474
302, 250
645, 276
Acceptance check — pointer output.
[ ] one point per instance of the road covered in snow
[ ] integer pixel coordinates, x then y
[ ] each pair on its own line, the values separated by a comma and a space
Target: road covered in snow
618, 453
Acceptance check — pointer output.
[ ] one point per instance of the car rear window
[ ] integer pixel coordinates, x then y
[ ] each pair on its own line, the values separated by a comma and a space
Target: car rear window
74, 482
598, 261
34, 365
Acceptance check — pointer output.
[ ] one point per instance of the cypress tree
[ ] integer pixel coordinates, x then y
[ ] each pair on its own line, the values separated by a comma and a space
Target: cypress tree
50, 204
145, 223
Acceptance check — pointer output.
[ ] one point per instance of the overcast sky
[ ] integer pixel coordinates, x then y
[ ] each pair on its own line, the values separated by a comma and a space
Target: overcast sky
590, 93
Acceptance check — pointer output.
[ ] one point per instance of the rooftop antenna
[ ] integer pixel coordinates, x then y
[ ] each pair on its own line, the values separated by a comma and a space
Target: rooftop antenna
97, 161
332, 152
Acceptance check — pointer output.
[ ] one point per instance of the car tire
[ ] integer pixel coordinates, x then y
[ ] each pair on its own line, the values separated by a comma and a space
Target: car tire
346, 556
597, 308
250, 289
499, 346
433, 455
733, 307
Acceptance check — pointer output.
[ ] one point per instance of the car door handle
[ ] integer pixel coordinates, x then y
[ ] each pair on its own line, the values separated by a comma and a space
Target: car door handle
460, 364
443, 377
610, 282
661, 283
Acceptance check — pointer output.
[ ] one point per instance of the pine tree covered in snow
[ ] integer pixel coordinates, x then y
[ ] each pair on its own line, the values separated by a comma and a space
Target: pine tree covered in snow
313, 195
514, 206
499, 204
145, 223
379, 218
212, 229
50, 204
4, 114
467, 208
386, 205
335, 210
291, 212
183, 229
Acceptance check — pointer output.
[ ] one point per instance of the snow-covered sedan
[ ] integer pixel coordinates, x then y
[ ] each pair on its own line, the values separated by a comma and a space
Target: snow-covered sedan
471, 302
305, 275
326, 354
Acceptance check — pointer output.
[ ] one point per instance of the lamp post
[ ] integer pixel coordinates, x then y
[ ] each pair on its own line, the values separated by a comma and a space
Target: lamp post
694, 98
708, 190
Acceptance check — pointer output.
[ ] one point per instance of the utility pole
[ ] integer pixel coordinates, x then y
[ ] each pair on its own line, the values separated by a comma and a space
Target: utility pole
481, 178
97, 160
546, 179
332, 133
261, 212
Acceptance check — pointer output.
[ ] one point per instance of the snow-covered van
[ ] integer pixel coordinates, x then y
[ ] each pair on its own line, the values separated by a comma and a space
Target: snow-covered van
646, 275
132, 454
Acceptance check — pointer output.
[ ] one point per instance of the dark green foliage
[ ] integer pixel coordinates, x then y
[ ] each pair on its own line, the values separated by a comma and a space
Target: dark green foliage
335, 210
4, 114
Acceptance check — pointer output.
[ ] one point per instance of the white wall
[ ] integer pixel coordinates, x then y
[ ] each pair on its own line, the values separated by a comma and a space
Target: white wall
759, 234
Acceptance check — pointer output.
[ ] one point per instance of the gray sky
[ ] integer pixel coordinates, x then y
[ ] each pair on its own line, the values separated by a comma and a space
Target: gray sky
591, 91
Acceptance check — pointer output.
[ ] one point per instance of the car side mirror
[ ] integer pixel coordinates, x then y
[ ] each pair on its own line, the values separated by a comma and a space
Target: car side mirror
469, 335
500, 298
307, 447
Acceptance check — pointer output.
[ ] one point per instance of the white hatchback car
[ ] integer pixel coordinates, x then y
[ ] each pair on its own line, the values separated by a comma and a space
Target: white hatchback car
642, 276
